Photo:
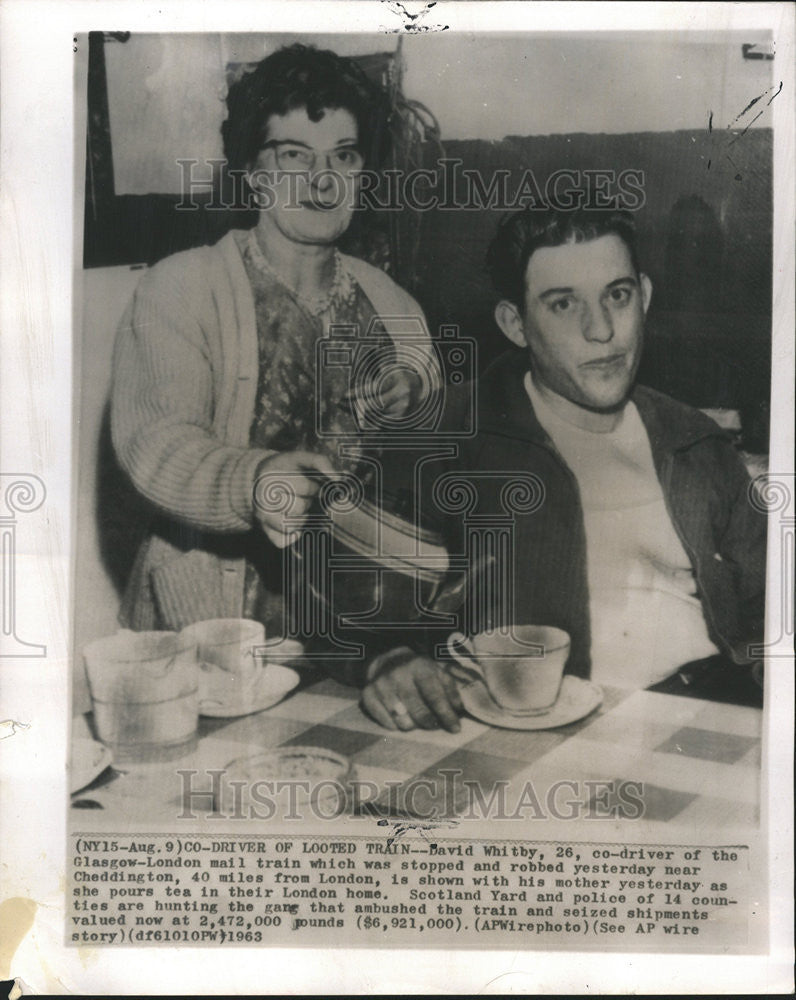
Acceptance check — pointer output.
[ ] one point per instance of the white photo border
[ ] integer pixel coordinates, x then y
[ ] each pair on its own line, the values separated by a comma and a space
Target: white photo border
39, 244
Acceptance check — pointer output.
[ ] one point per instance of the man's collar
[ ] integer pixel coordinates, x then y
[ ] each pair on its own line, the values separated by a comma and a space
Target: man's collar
505, 409
672, 425
503, 404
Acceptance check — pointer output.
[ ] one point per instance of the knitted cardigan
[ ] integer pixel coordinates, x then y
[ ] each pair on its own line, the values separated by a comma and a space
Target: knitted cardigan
182, 403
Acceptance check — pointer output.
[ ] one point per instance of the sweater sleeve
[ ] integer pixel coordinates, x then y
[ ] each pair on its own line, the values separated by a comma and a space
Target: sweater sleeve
163, 403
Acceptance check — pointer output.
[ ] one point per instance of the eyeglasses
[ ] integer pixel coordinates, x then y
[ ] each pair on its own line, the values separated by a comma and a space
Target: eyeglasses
294, 156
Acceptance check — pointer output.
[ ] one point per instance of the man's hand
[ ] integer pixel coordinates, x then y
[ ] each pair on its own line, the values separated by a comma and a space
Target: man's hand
292, 476
406, 690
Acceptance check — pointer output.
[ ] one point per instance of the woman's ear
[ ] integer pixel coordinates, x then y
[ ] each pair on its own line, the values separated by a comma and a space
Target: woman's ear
646, 292
509, 319
261, 187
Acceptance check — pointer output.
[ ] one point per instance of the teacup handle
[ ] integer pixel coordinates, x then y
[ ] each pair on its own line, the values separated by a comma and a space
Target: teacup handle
468, 663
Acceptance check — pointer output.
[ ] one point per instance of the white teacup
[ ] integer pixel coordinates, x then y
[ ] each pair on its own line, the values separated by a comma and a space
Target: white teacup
522, 666
228, 653
144, 694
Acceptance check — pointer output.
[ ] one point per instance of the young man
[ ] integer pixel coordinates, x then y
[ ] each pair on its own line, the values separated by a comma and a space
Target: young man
646, 548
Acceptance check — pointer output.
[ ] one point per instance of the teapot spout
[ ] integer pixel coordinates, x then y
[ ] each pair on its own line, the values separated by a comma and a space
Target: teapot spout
450, 593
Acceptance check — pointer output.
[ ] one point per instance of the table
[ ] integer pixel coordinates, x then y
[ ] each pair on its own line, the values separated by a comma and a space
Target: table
699, 761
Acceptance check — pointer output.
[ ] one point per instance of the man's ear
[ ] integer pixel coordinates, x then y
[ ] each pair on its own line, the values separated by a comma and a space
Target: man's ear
509, 319
646, 291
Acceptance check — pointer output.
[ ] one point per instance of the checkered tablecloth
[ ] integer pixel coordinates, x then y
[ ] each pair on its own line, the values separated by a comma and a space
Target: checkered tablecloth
699, 761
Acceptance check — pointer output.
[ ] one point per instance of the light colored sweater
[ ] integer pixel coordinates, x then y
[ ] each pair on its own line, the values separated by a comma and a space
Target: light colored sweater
646, 617
183, 399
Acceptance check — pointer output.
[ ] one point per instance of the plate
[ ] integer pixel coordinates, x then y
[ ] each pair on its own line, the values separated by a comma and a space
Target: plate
274, 682
89, 760
576, 699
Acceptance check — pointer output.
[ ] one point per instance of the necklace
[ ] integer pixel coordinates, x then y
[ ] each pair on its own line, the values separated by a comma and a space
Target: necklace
340, 290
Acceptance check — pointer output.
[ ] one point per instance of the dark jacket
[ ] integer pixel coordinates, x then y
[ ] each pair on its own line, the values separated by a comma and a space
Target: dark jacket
705, 486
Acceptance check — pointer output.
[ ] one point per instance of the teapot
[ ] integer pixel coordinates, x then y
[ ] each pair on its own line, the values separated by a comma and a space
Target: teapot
382, 564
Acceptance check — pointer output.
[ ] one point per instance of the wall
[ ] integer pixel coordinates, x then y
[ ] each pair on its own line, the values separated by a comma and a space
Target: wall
491, 87
166, 91
154, 123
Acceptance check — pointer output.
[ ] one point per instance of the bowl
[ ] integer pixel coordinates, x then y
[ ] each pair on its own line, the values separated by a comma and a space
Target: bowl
289, 782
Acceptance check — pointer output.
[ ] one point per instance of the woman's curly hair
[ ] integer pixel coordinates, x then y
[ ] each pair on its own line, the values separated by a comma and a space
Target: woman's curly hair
301, 76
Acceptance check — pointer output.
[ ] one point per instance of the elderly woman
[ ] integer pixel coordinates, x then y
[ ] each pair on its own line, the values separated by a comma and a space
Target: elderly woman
215, 379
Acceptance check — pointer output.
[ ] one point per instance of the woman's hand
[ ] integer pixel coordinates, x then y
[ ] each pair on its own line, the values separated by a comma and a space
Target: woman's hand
285, 486
401, 393
396, 395
406, 690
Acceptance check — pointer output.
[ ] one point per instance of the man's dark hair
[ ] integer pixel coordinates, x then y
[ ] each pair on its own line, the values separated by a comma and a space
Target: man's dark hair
522, 233
301, 76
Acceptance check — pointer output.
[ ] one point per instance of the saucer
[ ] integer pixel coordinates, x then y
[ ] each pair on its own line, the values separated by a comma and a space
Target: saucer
576, 699
273, 683
89, 759
281, 651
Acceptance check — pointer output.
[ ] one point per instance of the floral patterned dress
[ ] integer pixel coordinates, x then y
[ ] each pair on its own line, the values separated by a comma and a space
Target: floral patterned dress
299, 406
